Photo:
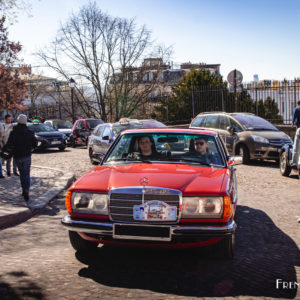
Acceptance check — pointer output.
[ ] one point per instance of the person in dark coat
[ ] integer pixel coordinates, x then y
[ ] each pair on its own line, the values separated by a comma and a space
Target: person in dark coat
296, 118
21, 142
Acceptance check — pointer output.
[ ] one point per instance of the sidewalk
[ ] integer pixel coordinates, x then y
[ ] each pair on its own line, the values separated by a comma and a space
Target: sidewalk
46, 183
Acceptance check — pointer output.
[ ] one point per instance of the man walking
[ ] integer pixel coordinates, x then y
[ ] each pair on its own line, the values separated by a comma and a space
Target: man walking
296, 118
7, 129
1, 146
22, 141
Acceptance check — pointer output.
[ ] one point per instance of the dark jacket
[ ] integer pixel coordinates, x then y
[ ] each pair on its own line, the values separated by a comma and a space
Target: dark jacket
21, 141
297, 116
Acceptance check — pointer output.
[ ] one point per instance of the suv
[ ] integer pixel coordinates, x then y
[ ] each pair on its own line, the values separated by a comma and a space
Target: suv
82, 129
104, 134
245, 134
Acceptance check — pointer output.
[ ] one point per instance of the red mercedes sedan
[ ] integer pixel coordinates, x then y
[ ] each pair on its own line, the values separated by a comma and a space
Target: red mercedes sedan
164, 187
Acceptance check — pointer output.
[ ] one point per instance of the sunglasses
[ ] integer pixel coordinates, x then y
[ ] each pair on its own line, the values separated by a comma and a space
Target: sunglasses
199, 143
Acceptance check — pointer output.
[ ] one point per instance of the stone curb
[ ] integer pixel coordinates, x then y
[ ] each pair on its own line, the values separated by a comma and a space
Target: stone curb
17, 218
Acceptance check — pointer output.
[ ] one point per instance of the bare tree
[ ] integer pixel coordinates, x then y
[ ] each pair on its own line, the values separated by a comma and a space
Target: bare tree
103, 52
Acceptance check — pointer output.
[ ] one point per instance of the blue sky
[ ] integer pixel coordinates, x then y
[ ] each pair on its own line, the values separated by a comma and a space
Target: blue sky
255, 37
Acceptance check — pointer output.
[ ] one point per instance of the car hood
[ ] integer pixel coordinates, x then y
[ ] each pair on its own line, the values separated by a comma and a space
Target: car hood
270, 134
50, 134
65, 130
190, 180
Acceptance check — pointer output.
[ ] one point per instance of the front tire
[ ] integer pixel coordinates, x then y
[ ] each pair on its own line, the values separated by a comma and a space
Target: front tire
244, 152
80, 244
285, 169
62, 148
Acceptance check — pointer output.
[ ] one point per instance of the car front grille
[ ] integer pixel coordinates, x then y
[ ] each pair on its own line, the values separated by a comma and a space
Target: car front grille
122, 201
279, 142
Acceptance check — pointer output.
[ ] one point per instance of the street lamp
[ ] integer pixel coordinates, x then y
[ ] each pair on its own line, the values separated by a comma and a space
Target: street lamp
72, 85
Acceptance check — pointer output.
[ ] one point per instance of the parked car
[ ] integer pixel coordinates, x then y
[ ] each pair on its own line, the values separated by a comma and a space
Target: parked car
47, 136
62, 126
290, 157
245, 134
173, 200
104, 135
81, 130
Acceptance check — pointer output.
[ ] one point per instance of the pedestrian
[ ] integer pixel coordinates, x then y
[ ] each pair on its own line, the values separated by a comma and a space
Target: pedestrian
22, 141
1, 147
7, 129
296, 118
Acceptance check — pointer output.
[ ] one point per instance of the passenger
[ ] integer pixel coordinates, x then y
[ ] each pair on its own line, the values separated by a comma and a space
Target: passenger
147, 148
200, 150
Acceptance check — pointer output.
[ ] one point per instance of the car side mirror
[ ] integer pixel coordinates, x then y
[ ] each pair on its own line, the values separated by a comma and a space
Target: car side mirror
230, 129
235, 160
105, 138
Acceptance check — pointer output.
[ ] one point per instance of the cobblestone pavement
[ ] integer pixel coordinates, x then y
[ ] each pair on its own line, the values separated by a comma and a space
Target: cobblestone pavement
37, 261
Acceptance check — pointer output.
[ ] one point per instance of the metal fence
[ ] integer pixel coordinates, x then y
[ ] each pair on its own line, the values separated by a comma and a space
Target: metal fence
272, 100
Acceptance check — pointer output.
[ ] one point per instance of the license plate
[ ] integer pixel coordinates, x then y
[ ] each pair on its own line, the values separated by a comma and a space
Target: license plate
142, 232
154, 211
56, 142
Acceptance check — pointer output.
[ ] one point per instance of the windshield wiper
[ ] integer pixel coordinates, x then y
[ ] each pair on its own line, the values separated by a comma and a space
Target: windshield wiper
132, 159
189, 160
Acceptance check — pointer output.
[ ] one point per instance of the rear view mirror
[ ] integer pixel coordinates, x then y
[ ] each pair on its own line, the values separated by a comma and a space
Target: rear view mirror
167, 140
105, 138
235, 160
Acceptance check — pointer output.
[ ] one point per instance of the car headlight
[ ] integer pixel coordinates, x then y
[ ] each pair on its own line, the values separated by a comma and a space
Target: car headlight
39, 138
259, 139
91, 203
202, 207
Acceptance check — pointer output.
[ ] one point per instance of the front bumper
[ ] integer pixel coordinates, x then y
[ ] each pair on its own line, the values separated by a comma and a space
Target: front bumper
177, 231
43, 144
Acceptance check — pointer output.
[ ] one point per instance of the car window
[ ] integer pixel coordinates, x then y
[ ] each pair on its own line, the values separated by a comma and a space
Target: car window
224, 122
211, 121
106, 132
38, 127
117, 128
235, 125
251, 122
93, 123
78, 126
63, 124
198, 121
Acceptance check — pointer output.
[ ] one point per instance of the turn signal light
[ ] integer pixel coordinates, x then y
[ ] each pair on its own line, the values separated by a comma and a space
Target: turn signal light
227, 207
68, 202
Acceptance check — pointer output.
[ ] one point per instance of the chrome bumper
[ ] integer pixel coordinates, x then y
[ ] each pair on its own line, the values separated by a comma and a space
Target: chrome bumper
106, 229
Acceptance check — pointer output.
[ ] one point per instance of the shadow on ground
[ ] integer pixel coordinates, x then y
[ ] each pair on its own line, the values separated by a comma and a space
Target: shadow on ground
263, 254
23, 289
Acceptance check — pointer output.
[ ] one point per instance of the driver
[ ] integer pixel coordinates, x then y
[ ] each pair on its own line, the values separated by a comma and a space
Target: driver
201, 150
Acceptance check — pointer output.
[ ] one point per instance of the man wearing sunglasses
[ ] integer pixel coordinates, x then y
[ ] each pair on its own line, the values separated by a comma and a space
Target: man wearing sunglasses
200, 150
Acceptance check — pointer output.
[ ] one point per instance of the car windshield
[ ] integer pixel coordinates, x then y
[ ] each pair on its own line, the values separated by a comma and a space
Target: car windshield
63, 125
253, 123
119, 127
93, 123
198, 149
40, 127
